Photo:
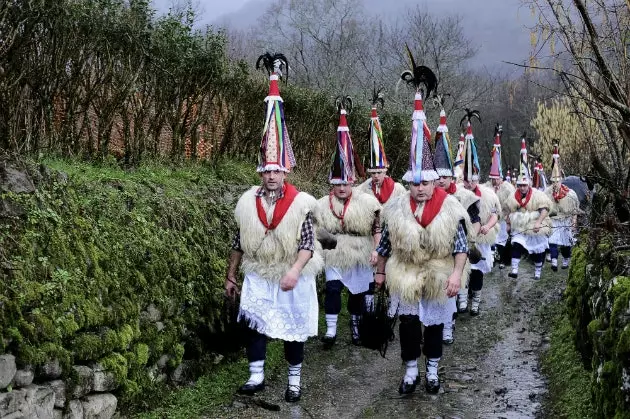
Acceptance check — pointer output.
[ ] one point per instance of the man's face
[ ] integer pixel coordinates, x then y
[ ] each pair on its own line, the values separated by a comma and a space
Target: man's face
342, 191
523, 188
423, 191
556, 186
496, 182
471, 185
377, 178
273, 180
444, 182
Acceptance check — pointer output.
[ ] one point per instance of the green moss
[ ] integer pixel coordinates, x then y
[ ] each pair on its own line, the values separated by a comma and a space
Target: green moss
116, 364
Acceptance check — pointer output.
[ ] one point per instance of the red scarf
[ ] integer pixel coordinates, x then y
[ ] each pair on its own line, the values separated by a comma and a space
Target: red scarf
522, 202
452, 188
282, 206
345, 208
564, 190
431, 208
477, 191
387, 187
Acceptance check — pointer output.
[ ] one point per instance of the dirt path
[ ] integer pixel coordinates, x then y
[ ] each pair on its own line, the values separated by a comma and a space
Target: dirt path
490, 372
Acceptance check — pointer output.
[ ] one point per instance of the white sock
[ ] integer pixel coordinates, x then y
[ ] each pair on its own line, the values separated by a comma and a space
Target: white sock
257, 372
331, 325
412, 371
295, 373
354, 325
432, 368
554, 262
566, 261
538, 269
515, 263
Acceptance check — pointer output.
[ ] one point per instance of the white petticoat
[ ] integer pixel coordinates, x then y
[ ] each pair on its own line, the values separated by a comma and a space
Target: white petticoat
562, 234
431, 312
532, 243
503, 236
357, 279
287, 315
484, 265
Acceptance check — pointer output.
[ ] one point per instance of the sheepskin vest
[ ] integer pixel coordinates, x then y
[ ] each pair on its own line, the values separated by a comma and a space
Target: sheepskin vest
354, 240
270, 254
504, 192
366, 187
422, 258
465, 197
523, 220
489, 204
567, 207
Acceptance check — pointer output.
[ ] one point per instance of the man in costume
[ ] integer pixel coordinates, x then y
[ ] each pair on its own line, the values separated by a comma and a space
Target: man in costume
465, 197
352, 216
539, 180
503, 190
528, 224
276, 250
487, 229
422, 255
565, 207
380, 184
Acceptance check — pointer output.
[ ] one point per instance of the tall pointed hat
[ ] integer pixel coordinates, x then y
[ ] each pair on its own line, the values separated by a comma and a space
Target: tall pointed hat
458, 165
342, 168
524, 177
378, 159
471, 159
442, 156
539, 180
556, 171
421, 165
496, 170
275, 151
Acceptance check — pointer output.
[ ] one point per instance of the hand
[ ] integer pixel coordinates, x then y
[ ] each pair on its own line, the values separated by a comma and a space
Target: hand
373, 258
453, 284
289, 280
231, 287
537, 226
484, 229
379, 279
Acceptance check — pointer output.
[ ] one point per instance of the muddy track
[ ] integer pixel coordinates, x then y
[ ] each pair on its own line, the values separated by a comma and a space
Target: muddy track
491, 371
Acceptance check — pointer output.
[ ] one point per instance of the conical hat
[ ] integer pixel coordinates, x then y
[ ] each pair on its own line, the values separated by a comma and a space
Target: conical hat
378, 159
471, 160
556, 171
524, 177
442, 155
458, 165
496, 171
421, 165
342, 170
275, 151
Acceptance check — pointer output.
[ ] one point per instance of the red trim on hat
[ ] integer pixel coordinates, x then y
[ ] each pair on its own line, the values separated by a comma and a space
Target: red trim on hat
374, 115
274, 90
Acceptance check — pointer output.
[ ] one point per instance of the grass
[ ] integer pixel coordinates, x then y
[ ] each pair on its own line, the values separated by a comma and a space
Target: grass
569, 382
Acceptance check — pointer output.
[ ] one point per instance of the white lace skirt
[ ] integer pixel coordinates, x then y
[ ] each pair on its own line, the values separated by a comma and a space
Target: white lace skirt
431, 312
562, 232
532, 243
357, 279
503, 236
287, 315
485, 264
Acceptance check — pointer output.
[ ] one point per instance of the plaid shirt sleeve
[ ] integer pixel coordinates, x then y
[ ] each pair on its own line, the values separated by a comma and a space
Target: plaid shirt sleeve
385, 245
460, 242
236, 242
376, 224
307, 238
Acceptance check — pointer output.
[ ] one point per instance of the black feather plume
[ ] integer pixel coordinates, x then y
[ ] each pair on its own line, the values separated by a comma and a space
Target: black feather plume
498, 130
344, 102
378, 97
419, 76
470, 113
273, 63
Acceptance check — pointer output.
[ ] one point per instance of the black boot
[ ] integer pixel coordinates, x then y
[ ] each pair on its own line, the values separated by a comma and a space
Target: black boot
293, 394
406, 388
329, 341
249, 389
